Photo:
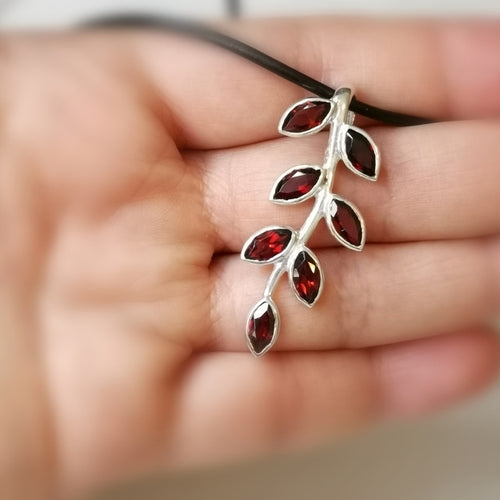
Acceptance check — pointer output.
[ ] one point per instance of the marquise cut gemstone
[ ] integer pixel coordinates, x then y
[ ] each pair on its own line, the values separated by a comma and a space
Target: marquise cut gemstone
260, 327
346, 223
297, 183
360, 152
306, 277
268, 244
306, 116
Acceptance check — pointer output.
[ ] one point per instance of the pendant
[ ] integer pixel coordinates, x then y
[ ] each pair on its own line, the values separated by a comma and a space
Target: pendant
285, 247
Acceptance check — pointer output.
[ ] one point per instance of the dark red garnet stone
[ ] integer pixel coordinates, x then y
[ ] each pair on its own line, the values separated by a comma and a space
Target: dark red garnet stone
297, 183
346, 223
306, 116
260, 328
306, 277
360, 153
268, 244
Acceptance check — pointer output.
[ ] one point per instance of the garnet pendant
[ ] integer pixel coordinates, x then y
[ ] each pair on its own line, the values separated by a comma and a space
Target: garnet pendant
306, 117
360, 153
285, 247
267, 245
297, 184
307, 277
346, 223
262, 327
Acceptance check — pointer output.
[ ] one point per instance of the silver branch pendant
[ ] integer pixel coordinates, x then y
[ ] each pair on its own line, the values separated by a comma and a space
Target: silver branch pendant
286, 247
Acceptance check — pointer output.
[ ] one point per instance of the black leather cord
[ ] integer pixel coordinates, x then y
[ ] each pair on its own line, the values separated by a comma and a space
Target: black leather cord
254, 55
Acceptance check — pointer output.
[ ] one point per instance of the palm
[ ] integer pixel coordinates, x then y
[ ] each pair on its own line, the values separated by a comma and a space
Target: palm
125, 289
138, 307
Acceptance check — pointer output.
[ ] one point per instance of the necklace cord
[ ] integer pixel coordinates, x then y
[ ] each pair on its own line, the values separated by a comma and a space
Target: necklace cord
204, 33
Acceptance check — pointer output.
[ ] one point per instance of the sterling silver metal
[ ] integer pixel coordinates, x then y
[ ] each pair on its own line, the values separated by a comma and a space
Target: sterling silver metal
340, 120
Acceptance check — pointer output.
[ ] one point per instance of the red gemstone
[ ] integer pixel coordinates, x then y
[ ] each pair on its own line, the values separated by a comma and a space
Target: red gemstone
347, 223
360, 153
306, 277
261, 326
297, 183
268, 244
306, 116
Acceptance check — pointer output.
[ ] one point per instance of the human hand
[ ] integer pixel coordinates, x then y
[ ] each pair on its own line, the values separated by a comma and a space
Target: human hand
134, 166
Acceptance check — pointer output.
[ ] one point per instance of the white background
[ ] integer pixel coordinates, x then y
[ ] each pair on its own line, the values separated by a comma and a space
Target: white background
455, 456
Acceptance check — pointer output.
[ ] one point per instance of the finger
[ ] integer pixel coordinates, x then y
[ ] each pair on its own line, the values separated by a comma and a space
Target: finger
389, 293
210, 98
437, 182
233, 403
495, 257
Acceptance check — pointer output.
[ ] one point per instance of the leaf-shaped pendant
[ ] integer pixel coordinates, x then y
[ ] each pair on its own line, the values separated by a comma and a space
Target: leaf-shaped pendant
359, 153
287, 248
346, 223
268, 245
262, 327
306, 117
306, 277
297, 184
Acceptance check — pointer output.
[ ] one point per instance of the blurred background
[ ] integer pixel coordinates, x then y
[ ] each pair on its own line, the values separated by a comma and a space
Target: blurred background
454, 456
35, 13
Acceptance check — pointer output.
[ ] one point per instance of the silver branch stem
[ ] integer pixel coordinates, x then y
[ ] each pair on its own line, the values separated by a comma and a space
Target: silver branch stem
340, 116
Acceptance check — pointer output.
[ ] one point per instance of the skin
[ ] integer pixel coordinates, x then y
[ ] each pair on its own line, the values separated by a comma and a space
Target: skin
129, 179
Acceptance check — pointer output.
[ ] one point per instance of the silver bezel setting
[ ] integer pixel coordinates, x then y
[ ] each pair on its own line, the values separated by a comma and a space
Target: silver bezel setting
304, 197
265, 300
313, 130
329, 222
278, 256
290, 267
345, 158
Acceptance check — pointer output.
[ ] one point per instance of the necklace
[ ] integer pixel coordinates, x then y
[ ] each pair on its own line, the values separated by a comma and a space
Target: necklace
285, 248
